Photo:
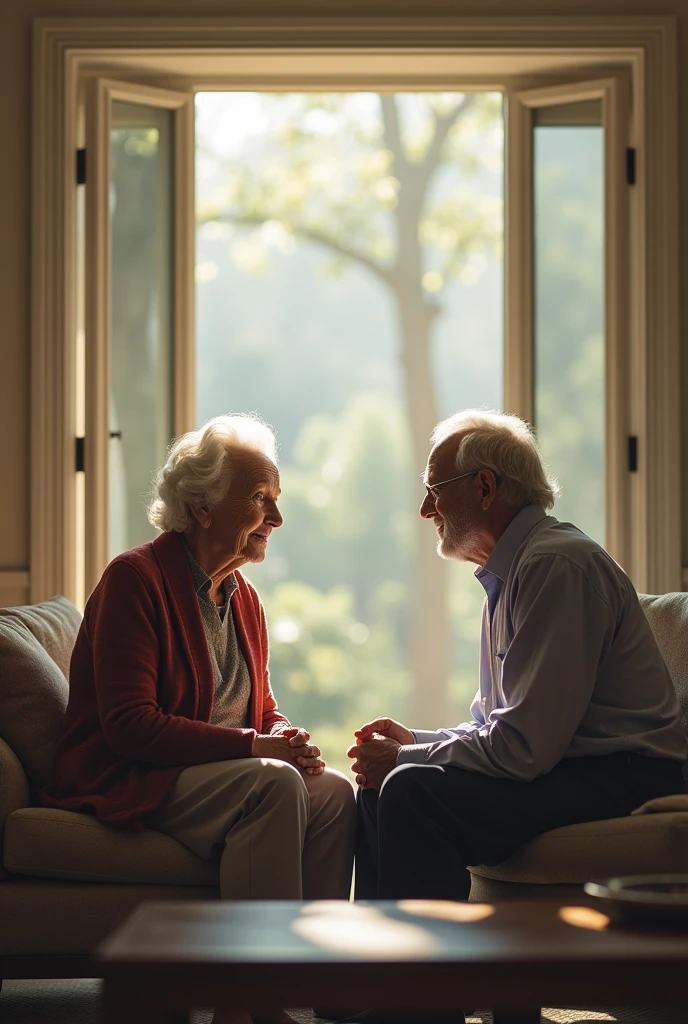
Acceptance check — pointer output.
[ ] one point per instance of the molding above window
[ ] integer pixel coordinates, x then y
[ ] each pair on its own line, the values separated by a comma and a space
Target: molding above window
65, 49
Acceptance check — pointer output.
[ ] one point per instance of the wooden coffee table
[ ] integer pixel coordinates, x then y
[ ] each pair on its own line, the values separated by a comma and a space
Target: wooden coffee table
412, 955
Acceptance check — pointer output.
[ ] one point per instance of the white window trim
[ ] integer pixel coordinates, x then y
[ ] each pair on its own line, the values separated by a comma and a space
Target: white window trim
63, 48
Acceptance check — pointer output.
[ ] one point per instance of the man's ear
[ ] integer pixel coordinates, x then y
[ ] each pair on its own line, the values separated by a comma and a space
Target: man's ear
202, 516
488, 488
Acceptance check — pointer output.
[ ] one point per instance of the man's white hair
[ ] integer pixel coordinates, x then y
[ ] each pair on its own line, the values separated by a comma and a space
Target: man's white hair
506, 445
198, 470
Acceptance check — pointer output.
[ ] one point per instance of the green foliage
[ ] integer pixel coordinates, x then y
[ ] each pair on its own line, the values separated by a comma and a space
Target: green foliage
347, 503
457, 232
136, 142
341, 173
331, 670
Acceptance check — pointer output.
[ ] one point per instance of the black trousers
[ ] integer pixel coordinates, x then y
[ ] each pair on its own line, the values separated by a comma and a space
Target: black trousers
428, 823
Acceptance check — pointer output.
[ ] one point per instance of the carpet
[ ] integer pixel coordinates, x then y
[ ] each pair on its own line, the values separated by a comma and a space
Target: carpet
77, 1001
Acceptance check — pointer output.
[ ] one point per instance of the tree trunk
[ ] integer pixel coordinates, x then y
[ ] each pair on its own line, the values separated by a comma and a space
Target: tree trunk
429, 638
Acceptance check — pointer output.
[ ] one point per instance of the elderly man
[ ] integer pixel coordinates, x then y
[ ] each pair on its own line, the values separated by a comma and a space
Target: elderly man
575, 719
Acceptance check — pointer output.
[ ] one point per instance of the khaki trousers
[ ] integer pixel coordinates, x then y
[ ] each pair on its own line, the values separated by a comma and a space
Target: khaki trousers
280, 833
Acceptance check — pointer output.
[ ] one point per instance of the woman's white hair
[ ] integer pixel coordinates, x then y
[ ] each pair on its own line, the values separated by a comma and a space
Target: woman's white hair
198, 470
506, 445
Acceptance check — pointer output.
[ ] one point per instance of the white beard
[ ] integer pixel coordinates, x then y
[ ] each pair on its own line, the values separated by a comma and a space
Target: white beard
455, 539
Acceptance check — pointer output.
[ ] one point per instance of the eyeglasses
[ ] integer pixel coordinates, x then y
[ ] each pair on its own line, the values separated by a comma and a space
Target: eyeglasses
432, 488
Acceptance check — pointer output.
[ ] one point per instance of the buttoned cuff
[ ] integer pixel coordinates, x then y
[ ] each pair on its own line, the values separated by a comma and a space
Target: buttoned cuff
414, 753
428, 735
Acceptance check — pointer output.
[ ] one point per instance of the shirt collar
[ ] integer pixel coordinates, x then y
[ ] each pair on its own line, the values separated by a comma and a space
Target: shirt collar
504, 551
201, 580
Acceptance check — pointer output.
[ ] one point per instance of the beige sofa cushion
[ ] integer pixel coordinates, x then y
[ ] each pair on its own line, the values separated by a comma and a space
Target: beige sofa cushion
49, 843
36, 644
643, 844
14, 789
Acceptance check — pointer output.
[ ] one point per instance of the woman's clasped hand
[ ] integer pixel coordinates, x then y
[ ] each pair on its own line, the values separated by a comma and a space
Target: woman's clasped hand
292, 746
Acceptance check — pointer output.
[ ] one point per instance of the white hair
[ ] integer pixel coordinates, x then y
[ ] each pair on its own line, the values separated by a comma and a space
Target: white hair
506, 445
198, 469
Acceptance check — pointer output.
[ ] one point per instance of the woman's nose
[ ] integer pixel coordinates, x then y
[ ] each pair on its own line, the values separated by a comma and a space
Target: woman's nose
274, 516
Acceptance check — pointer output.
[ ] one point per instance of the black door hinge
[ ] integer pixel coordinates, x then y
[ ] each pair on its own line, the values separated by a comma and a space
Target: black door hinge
630, 166
79, 455
633, 454
81, 166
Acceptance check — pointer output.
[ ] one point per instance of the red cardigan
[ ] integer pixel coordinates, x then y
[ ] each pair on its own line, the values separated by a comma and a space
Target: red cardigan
141, 688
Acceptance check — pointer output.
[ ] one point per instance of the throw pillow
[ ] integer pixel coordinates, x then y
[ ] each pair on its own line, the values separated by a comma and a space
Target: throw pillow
668, 618
36, 644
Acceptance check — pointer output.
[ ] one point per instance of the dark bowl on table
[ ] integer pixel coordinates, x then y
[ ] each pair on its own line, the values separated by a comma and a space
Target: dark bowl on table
659, 900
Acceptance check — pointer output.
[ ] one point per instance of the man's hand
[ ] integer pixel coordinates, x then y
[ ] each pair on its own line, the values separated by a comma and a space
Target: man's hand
386, 727
292, 746
375, 758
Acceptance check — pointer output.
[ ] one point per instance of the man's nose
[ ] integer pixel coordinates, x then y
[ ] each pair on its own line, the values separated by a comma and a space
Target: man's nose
427, 509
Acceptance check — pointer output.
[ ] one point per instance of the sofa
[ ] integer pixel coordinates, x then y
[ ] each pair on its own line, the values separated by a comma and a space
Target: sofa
67, 881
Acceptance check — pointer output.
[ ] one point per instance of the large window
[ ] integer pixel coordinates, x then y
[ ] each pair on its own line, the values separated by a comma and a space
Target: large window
349, 289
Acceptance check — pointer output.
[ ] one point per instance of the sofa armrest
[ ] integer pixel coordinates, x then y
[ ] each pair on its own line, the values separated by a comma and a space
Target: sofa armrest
14, 790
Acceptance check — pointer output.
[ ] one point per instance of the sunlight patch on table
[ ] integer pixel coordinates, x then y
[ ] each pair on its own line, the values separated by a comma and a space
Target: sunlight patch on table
447, 910
584, 917
362, 931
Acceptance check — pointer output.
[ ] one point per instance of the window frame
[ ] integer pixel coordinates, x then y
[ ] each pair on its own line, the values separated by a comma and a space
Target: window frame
66, 51
614, 93
100, 94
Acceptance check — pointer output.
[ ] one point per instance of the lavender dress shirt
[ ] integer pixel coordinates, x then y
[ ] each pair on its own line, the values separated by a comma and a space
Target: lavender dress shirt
568, 663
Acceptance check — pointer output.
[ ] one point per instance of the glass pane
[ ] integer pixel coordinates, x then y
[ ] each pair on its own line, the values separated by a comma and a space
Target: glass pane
141, 325
568, 171
349, 289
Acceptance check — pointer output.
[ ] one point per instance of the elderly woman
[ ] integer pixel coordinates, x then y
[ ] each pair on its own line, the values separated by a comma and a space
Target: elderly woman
171, 722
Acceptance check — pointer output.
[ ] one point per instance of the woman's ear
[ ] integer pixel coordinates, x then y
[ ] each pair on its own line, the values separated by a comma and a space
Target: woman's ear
202, 516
